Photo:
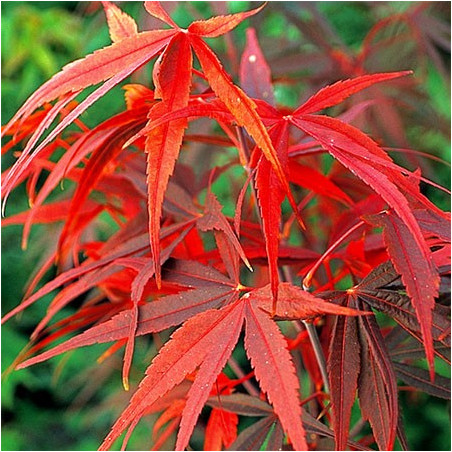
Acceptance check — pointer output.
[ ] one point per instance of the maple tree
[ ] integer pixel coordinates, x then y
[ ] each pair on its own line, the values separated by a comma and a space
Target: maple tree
286, 286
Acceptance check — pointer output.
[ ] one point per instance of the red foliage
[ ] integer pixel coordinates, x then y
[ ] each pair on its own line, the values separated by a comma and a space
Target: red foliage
159, 269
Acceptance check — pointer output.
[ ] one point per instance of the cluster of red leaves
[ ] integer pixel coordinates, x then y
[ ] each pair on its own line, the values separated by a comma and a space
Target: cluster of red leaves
159, 269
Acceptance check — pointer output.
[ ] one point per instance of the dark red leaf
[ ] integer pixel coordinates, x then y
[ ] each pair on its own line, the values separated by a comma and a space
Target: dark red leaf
419, 274
343, 371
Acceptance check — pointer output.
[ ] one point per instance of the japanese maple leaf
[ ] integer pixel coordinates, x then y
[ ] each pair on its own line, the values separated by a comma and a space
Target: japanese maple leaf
358, 360
206, 341
256, 78
172, 79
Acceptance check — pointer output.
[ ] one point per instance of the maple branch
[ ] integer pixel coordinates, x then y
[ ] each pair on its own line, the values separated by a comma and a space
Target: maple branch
318, 352
312, 334
307, 279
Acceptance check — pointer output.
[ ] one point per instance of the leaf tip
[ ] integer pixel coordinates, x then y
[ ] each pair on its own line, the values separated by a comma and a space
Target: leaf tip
125, 383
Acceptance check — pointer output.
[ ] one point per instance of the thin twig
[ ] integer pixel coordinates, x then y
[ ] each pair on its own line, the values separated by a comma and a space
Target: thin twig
318, 352
313, 336
234, 365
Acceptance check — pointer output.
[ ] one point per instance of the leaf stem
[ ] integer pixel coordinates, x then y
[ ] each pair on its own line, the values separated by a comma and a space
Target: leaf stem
312, 334
307, 279
234, 365
318, 352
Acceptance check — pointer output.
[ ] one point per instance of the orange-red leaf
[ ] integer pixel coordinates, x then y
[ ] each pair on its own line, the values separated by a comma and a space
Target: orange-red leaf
241, 106
186, 350
163, 143
120, 24
156, 9
274, 369
339, 91
219, 25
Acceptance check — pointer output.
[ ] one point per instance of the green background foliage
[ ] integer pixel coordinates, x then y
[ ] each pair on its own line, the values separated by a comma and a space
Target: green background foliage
70, 402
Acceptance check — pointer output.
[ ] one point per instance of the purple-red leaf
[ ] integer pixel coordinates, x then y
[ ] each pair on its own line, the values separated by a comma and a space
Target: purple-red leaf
377, 385
255, 74
419, 274
343, 371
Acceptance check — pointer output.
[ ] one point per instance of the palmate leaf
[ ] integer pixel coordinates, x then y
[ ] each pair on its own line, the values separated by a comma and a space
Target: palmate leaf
209, 290
173, 81
274, 369
419, 275
207, 340
187, 349
120, 24
111, 64
270, 195
344, 142
343, 370
172, 77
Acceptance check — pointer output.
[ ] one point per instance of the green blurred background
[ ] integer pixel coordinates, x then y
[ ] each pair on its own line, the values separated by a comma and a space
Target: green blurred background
70, 402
